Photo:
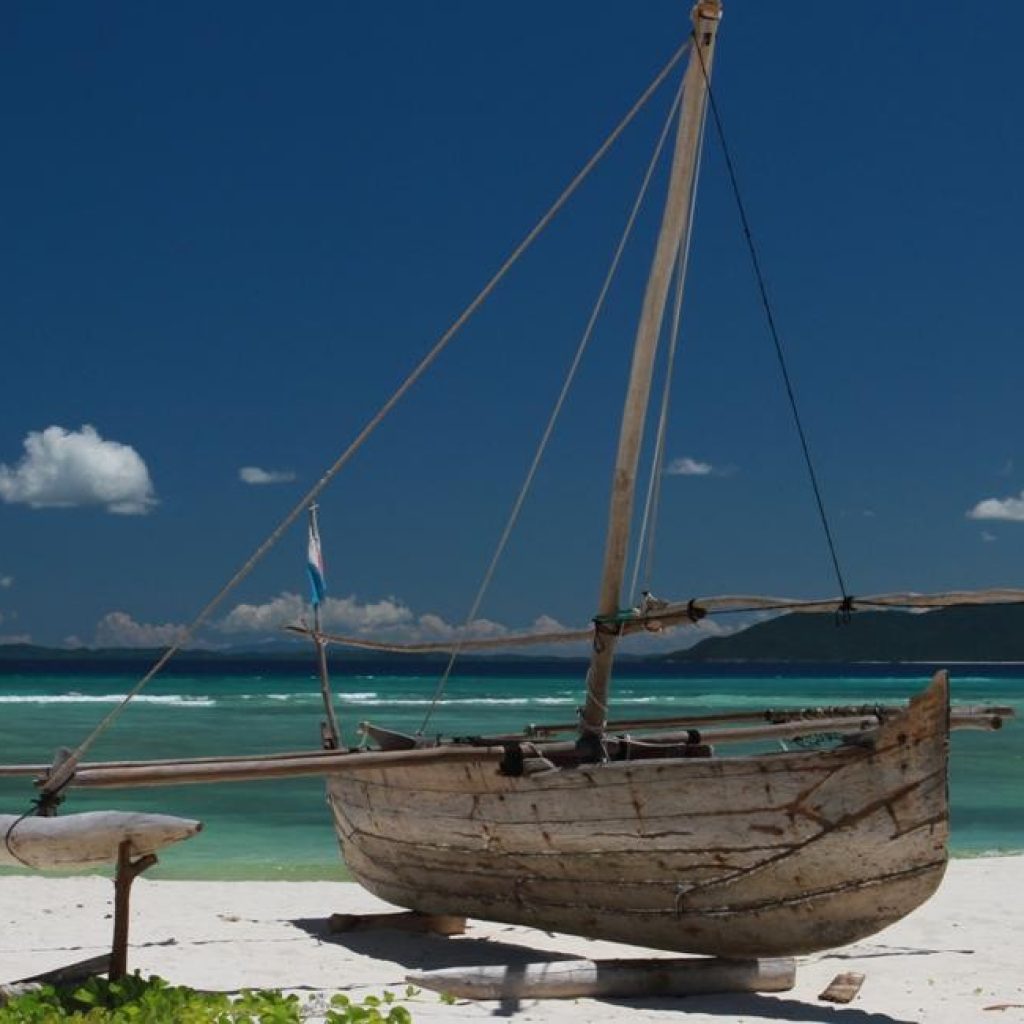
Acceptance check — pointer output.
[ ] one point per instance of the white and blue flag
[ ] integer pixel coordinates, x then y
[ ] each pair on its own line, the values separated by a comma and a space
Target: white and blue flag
315, 566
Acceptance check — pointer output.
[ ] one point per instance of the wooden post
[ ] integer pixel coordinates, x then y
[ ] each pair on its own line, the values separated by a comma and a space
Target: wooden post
330, 734
127, 871
675, 227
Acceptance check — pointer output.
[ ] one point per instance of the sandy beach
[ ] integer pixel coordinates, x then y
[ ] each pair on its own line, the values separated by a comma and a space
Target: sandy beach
956, 959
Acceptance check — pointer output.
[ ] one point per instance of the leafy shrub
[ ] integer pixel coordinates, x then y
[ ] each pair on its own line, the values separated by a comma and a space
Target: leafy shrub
138, 1000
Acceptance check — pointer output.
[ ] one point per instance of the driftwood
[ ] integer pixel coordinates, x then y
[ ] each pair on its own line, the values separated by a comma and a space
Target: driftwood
405, 921
86, 840
843, 988
573, 979
69, 974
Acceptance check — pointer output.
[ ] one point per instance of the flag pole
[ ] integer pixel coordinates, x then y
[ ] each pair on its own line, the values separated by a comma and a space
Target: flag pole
330, 734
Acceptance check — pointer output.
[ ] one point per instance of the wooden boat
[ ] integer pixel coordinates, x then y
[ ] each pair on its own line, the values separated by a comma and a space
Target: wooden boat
766, 855
659, 841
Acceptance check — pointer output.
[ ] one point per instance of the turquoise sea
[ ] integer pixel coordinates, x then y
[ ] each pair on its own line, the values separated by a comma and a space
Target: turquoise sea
280, 830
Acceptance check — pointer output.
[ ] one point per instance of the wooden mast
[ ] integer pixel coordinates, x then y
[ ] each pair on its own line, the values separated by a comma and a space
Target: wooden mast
674, 228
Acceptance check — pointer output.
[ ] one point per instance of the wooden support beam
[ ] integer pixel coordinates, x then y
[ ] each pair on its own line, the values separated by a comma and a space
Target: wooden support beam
405, 921
127, 871
574, 979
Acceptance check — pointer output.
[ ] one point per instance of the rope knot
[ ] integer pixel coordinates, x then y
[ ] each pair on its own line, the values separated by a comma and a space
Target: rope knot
844, 613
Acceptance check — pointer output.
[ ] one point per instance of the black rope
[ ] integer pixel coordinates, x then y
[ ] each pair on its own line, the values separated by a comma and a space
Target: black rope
38, 806
720, 131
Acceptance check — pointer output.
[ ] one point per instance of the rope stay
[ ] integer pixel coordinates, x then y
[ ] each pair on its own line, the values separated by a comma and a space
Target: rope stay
556, 410
63, 773
773, 329
644, 556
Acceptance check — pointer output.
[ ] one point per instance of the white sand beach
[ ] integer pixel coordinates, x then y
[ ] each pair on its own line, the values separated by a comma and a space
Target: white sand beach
957, 959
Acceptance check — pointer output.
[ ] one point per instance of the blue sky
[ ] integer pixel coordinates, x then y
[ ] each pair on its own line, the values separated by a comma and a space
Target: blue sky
229, 230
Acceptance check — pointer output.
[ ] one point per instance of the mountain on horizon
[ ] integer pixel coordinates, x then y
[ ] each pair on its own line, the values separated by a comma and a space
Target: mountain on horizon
958, 634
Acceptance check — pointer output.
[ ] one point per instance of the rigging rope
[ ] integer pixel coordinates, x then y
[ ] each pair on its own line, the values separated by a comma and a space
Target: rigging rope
770, 316
649, 520
62, 774
653, 505
671, 614
555, 412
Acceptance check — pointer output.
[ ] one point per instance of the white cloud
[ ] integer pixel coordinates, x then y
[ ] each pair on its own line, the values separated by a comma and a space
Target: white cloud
119, 629
387, 619
336, 613
6, 582
66, 468
15, 638
546, 624
688, 467
987, 537
255, 475
1009, 509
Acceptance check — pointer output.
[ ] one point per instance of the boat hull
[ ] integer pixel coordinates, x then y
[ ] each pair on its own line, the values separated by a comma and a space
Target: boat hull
770, 855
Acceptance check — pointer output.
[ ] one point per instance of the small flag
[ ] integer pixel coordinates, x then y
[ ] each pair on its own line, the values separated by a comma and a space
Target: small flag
315, 566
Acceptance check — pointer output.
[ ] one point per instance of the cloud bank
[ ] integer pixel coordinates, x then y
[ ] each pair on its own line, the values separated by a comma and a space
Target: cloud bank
1007, 509
392, 620
68, 469
256, 476
119, 629
386, 619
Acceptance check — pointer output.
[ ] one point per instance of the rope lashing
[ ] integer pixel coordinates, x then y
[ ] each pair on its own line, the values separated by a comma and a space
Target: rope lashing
844, 613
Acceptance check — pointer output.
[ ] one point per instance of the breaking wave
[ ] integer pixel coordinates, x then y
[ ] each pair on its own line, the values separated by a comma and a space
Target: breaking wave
172, 700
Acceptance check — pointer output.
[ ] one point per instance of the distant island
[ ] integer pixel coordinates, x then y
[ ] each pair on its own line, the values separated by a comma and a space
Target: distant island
993, 633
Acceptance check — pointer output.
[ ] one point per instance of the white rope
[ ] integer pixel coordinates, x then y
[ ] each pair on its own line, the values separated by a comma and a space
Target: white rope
555, 412
63, 773
645, 552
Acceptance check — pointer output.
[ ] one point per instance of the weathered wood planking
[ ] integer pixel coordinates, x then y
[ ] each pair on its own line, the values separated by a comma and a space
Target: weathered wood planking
773, 855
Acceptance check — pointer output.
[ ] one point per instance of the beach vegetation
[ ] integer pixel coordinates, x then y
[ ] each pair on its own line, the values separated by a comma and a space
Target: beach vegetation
138, 1000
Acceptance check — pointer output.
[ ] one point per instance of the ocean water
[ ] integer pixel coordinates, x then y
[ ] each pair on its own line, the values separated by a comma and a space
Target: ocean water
281, 829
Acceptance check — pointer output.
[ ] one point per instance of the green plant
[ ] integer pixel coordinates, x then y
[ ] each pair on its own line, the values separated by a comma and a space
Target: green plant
138, 1000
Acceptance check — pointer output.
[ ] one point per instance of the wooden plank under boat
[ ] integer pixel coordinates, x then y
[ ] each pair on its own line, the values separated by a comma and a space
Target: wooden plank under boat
769, 855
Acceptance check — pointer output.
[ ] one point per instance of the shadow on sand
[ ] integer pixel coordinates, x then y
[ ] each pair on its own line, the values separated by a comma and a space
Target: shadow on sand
424, 952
